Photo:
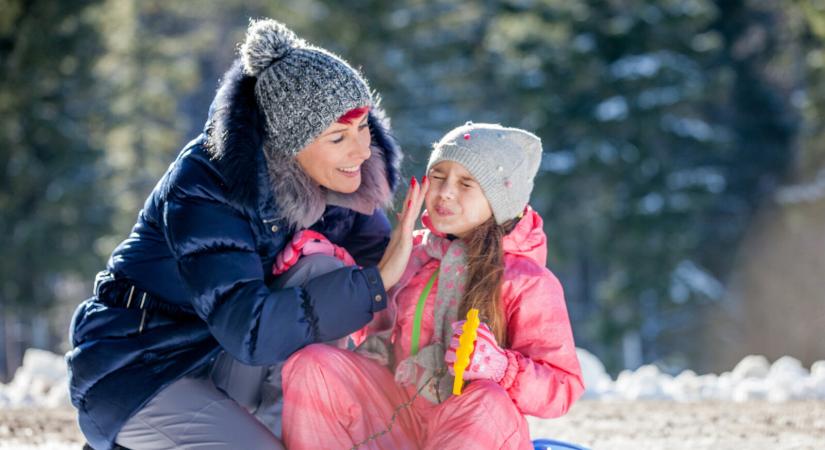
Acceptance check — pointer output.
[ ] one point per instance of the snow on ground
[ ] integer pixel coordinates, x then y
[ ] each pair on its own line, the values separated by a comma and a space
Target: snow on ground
753, 378
758, 404
41, 382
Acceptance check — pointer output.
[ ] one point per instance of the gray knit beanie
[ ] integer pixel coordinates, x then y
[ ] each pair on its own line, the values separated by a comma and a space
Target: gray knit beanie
503, 160
301, 89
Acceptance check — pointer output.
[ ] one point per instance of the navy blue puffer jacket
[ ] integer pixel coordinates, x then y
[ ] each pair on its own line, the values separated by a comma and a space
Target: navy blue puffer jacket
194, 275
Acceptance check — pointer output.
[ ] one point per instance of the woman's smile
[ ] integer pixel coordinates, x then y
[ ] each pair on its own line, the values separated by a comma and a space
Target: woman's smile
352, 171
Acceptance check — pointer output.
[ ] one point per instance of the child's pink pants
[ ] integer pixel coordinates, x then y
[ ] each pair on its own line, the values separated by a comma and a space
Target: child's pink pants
334, 399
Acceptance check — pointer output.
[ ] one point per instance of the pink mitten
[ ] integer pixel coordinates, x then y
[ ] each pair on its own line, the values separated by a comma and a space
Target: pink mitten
488, 361
308, 242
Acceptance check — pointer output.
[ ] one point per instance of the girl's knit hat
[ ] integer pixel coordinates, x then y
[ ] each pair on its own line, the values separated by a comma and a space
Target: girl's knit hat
300, 89
503, 160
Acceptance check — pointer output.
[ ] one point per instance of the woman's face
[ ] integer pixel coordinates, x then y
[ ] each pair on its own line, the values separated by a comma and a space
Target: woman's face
455, 201
334, 159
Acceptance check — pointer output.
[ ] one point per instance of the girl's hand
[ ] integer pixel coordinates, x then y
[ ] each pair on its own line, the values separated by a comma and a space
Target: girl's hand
488, 361
305, 243
398, 251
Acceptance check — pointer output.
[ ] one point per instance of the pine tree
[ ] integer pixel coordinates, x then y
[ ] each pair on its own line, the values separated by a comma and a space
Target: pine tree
52, 209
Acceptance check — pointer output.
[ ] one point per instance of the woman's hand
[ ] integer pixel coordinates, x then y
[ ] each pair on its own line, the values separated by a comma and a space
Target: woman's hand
398, 251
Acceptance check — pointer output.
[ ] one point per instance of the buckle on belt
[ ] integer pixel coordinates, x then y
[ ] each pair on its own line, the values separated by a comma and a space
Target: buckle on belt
132, 295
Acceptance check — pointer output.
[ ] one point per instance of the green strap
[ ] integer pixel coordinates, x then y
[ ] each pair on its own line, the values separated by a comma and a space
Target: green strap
419, 313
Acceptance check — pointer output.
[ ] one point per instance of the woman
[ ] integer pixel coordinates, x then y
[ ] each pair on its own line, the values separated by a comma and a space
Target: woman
293, 141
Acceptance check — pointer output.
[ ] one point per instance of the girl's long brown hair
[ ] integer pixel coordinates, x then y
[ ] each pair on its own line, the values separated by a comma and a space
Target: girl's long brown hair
485, 274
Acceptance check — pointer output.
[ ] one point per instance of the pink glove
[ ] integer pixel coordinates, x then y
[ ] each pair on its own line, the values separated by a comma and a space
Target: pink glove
488, 361
308, 242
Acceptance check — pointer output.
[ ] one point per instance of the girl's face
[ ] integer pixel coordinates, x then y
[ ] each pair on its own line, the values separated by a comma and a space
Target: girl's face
334, 158
455, 201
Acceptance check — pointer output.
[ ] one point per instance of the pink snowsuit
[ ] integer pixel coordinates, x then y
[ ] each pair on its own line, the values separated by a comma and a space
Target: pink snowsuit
336, 398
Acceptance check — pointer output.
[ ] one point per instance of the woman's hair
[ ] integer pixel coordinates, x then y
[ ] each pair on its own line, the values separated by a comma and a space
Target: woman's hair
353, 114
485, 273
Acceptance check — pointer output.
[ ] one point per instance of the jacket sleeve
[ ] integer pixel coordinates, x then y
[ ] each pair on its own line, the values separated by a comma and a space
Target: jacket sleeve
368, 238
216, 253
543, 376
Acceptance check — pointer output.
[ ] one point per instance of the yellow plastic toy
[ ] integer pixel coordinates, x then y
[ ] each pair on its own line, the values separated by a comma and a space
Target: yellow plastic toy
466, 344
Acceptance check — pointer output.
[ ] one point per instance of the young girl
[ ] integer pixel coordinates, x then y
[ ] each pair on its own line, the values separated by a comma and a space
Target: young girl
483, 248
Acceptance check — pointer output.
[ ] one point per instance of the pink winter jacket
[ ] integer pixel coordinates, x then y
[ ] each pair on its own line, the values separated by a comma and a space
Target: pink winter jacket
543, 377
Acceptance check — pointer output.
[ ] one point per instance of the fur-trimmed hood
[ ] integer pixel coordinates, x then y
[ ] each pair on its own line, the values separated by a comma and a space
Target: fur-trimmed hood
236, 142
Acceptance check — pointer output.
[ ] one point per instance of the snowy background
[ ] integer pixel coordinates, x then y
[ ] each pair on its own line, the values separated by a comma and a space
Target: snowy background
42, 382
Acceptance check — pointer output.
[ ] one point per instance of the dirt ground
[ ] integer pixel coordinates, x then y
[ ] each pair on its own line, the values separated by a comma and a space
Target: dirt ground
594, 424
670, 425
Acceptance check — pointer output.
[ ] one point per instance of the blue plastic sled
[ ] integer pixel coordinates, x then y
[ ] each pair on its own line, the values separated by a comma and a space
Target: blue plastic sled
552, 444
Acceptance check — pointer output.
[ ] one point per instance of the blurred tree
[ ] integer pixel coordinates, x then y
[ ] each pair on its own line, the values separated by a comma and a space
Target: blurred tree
805, 60
53, 209
775, 297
